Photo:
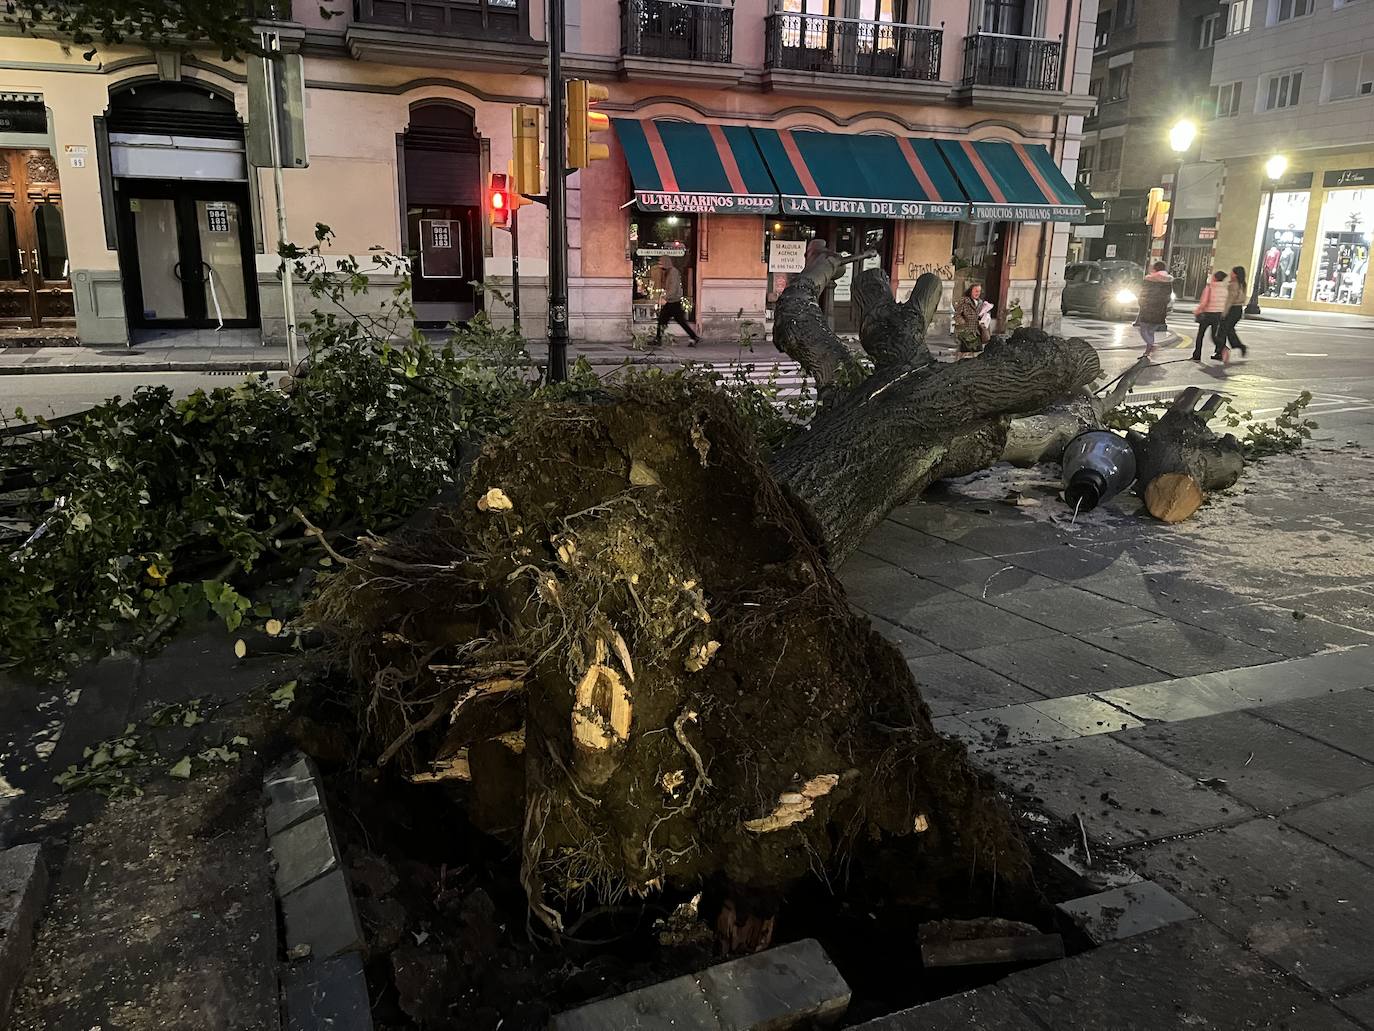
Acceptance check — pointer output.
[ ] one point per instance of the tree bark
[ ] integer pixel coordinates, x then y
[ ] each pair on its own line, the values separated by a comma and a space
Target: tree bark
1180, 460
1043, 436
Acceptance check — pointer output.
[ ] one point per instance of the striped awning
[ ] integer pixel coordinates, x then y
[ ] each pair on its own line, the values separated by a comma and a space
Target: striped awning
688, 166
1012, 182
824, 173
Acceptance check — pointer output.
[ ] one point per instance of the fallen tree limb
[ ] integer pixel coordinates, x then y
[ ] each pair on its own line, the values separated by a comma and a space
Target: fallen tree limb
1180, 460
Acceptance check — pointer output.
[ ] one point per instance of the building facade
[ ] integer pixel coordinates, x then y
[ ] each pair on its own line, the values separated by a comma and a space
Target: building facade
1151, 67
1296, 79
935, 134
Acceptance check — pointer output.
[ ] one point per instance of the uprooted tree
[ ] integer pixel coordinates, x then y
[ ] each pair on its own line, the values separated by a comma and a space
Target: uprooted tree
625, 641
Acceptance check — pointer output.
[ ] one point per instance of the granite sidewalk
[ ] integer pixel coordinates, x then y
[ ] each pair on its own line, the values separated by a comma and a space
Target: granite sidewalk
1200, 697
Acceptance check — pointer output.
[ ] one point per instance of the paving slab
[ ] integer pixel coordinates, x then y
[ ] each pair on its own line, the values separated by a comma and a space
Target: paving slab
1265, 766
1182, 698
1070, 564
1345, 823
793, 985
968, 624
1072, 610
1288, 898
1275, 628
1125, 911
1123, 796
291, 793
1344, 720
877, 586
1185, 975
1177, 648
991, 578
1359, 1004
1086, 714
913, 550
1057, 664
23, 886
986, 1009
328, 994
1009, 727
322, 915
301, 853
952, 684
911, 645
1013, 538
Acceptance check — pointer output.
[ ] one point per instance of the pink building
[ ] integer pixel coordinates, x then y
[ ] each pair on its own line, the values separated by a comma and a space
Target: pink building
937, 133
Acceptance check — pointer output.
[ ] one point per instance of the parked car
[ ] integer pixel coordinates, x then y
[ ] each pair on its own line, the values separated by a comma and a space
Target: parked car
1107, 289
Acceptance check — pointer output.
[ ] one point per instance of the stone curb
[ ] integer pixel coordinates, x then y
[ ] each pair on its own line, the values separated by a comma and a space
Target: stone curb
107, 367
326, 987
23, 886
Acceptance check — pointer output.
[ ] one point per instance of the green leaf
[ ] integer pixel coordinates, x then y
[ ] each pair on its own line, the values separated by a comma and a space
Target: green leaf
182, 769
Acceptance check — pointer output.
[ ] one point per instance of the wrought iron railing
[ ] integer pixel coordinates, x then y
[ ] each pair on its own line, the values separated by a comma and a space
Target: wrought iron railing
1015, 62
849, 46
449, 17
687, 30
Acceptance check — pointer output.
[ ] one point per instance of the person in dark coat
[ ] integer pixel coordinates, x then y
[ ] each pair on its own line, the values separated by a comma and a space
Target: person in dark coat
1156, 295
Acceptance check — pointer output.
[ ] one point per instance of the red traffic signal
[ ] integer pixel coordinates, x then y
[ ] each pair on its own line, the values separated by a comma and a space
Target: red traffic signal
498, 199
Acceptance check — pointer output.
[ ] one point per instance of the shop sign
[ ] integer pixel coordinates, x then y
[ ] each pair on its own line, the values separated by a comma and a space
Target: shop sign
874, 208
1349, 177
1027, 213
844, 284
786, 255
19, 113
671, 251
1207, 233
712, 203
1295, 181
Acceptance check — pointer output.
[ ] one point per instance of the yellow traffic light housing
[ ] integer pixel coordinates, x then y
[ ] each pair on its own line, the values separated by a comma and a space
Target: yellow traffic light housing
527, 131
583, 121
1157, 212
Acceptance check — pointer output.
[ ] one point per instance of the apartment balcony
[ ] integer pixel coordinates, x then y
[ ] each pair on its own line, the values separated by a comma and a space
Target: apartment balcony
816, 53
493, 35
1017, 73
667, 40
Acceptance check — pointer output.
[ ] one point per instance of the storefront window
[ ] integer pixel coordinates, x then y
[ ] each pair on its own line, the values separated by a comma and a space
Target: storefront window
975, 256
784, 248
1281, 248
658, 243
1347, 229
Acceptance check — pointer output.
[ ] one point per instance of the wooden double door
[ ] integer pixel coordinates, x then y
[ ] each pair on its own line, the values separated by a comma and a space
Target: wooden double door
35, 277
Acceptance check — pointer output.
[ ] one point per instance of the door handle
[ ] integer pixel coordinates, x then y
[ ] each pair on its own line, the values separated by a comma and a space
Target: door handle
176, 271
37, 267
23, 271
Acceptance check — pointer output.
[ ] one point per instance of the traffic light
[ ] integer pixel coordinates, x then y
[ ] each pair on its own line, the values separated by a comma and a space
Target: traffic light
583, 121
527, 130
499, 199
1157, 212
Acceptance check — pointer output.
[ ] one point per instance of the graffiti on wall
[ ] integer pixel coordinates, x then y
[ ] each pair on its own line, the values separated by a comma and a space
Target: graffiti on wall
914, 269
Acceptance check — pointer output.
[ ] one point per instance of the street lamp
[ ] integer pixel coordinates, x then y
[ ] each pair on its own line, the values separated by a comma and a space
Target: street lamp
1181, 139
1274, 169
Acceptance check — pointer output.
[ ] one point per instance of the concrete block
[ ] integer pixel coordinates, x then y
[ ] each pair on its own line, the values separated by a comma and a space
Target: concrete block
23, 885
676, 1005
789, 986
321, 914
1125, 911
328, 994
292, 793
302, 853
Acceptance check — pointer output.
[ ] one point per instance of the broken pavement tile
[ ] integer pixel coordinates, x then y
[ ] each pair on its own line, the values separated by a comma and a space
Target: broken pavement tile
1125, 911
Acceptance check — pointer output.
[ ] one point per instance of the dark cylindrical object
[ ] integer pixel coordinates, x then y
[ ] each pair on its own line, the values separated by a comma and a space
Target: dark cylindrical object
1098, 465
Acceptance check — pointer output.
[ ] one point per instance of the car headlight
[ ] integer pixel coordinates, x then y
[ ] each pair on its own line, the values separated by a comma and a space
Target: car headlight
1125, 297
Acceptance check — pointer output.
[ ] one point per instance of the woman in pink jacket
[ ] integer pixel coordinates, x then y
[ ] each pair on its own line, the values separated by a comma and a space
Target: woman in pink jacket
1211, 306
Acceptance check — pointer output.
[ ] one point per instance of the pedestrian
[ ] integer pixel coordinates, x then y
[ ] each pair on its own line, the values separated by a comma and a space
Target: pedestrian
971, 322
1211, 306
1235, 308
1156, 295
671, 308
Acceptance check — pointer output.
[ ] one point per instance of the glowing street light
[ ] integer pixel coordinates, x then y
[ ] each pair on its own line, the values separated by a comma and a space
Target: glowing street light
1181, 139
1182, 136
1273, 169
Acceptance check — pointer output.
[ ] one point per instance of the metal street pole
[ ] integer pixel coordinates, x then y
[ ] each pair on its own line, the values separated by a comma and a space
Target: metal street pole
1173, 213
271, 41
1253, 308
558, 223
515, 266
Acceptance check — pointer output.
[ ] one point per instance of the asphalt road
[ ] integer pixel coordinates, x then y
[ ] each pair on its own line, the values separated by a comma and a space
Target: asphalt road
1336, 365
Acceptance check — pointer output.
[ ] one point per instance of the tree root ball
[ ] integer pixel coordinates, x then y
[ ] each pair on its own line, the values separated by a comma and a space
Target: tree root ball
695, 697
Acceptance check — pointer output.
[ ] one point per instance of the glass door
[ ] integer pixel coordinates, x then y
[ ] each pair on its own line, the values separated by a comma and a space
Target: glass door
16, 285
855, 238
35, 280
186, 251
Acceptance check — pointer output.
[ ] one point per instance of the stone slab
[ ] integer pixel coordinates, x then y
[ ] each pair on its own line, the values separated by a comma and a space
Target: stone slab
790, 986
1009, 727
1073, 610
910, 645
328, 994
1071, 564
1344, 720
985, 1009
1273, 628
1125, 911
23, 886
1265, 766
322, 915
968, 624
1182, 698
886, 590
952, 684
1057, 664
1359, 1004
291, 793
676, 1005
302, 853
1295, 901
1345, 823
1144, 799
1086, 715
1177, 648
992, 578
1185, 975
912, 550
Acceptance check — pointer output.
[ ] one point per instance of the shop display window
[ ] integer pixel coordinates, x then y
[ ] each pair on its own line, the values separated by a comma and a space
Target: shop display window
1281, 247
784, 248
658, 245
1345, 235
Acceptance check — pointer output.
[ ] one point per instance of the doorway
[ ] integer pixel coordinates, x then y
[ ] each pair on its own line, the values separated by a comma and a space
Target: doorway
847, 236
35, 275
185, 248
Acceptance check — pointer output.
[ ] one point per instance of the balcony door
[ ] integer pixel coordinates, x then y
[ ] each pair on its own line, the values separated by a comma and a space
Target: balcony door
853, 37
35, 281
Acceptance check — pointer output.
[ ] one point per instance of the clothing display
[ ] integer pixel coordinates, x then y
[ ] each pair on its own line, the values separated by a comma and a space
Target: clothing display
1279, 267
1341, 267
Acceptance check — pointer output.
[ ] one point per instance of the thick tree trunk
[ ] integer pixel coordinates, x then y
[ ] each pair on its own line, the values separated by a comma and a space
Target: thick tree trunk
1181, 459
1043, 436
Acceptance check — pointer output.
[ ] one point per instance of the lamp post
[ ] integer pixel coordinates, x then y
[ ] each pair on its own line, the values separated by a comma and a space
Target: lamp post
1274, 169
1181, 139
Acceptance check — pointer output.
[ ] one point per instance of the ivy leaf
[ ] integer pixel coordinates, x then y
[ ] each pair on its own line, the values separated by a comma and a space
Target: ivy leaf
182, 769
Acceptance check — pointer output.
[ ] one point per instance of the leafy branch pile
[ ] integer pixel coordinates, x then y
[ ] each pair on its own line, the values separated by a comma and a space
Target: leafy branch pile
1258, 439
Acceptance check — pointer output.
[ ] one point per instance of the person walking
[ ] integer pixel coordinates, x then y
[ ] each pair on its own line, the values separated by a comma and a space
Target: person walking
671, 308
971, 328
1211, 306
1236, 295
1156, 295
